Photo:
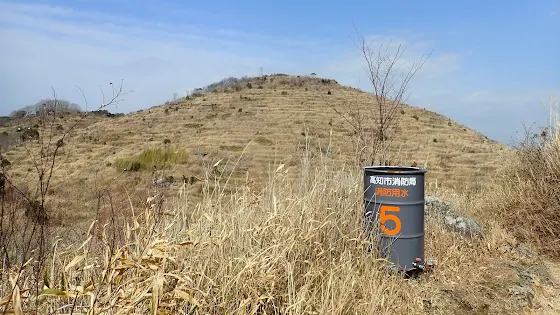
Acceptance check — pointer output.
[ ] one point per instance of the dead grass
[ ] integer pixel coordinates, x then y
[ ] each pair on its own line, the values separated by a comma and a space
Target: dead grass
99, 141
295, 247
531, 194
252, 237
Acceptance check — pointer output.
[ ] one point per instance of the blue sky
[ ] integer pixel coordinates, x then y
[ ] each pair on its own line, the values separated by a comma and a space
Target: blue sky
493, 63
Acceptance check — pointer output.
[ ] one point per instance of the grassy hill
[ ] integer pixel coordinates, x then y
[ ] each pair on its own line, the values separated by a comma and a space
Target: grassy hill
245, 198
252, 125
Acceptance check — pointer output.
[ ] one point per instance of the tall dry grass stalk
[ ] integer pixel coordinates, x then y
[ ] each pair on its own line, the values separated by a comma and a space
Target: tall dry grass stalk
554, 118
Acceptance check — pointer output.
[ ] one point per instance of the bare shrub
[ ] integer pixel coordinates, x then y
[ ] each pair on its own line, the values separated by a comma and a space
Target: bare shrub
375, 124
25, 237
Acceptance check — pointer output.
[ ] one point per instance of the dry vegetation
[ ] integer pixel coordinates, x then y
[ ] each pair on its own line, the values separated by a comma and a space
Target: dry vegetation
531, 202
269, 126
296, 247
268, 218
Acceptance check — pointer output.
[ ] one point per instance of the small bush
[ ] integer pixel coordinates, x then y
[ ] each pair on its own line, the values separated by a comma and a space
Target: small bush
166, 141
402, 111
284, 93
416, 117
434, 140
4, 163
329, 92
128, 165
166, 111
249, 85
264, 141
197, 93
5, 133
149, 158
105, 113
30, 134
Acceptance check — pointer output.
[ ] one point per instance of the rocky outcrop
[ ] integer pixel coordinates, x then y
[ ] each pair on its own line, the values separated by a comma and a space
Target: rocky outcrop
438, 209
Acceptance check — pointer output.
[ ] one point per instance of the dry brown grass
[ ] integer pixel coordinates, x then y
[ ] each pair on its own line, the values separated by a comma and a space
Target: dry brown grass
276, 127
295, 247
530, 199
254, 237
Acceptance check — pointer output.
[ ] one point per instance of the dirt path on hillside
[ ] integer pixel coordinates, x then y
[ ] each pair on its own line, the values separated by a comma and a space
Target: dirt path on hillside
550, 300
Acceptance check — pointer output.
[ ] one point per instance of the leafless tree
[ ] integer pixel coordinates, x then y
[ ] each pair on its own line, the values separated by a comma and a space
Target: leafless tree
373, 126
33, 233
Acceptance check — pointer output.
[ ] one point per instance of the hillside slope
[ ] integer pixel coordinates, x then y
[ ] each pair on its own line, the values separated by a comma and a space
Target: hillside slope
251, 125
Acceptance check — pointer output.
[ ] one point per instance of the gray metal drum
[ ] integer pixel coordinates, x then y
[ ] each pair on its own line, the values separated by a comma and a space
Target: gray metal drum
394, 208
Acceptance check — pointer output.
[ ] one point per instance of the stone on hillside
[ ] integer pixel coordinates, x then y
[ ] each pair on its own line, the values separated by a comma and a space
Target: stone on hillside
465, 226
436, 208
525, 293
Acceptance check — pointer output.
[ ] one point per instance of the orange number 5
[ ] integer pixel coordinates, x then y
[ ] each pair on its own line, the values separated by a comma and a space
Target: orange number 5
392, 217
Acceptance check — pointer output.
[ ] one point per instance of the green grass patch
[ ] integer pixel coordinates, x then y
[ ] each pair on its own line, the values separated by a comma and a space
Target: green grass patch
160, 157
263, 141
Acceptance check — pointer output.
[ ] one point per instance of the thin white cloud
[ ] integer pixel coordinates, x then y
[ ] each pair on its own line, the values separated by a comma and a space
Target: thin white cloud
50, 45
438, 87
46, 45
44, 48
349, 67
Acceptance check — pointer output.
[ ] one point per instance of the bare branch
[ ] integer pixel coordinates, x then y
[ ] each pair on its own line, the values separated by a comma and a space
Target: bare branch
84, 96
389, 83
117, 93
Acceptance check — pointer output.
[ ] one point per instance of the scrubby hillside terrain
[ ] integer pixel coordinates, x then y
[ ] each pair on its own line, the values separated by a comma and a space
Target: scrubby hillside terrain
251, 125
245, 198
